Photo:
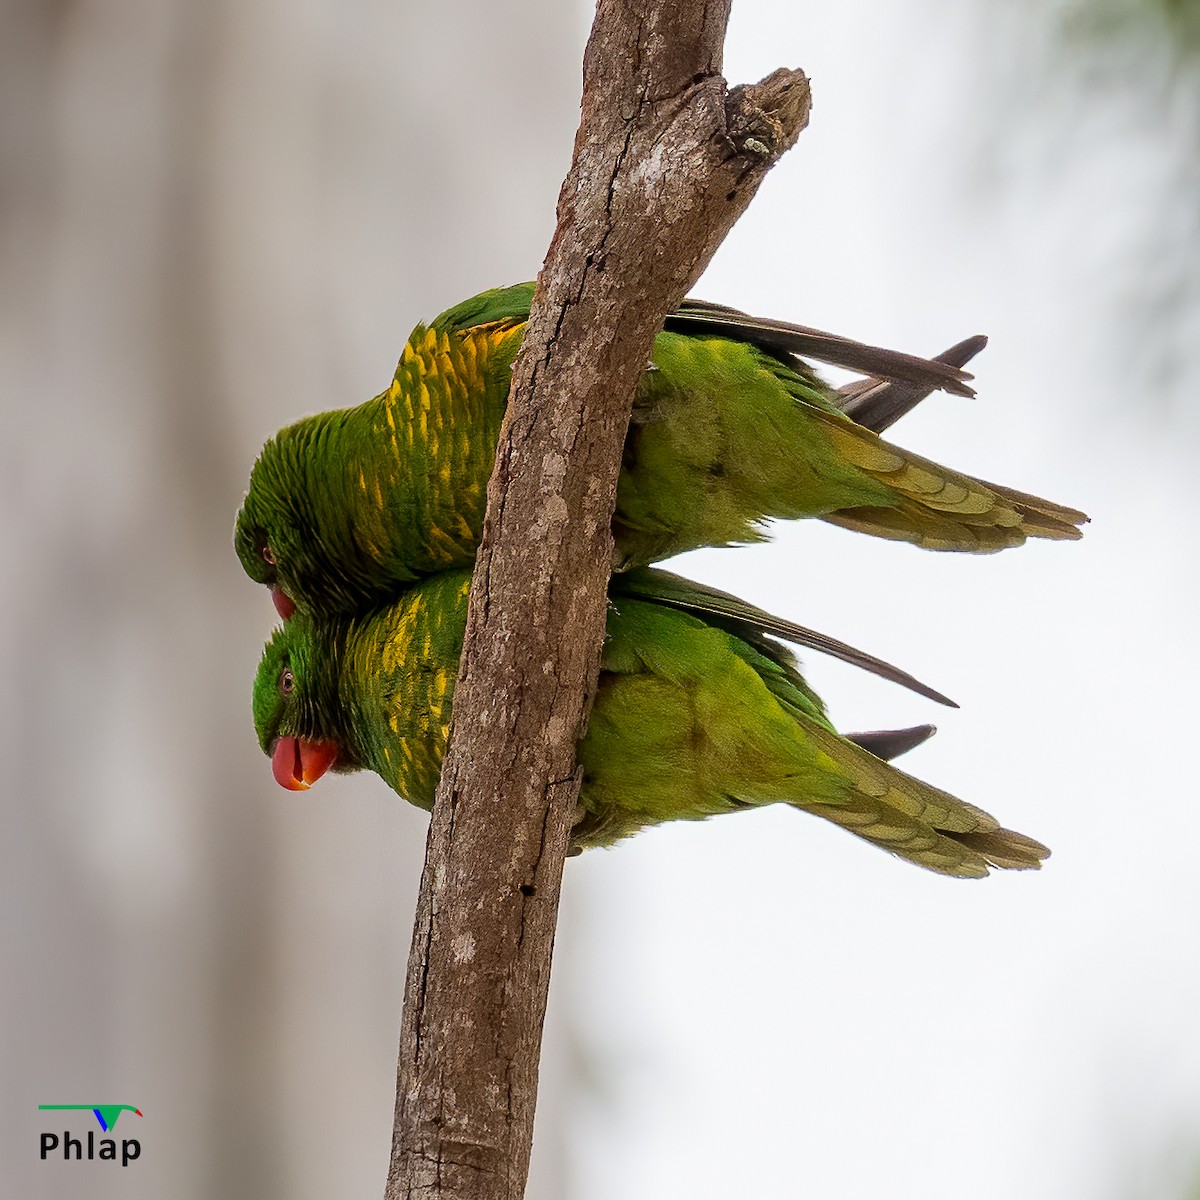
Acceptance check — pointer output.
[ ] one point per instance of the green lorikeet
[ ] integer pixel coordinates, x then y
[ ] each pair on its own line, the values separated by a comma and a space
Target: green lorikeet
729, 429
695, 715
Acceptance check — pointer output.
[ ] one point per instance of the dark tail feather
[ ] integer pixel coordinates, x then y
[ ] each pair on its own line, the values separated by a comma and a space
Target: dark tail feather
1043, 518
701, 319
1005, 848
891, 743
880, 403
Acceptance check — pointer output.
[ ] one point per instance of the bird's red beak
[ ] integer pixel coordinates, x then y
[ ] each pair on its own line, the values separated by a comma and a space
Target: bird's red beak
297, 764
284, 605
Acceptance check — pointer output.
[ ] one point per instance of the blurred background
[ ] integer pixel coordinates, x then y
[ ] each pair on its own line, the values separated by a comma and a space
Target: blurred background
215, 218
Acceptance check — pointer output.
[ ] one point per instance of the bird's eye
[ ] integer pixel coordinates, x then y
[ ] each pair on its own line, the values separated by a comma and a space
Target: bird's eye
287, 682
268, 557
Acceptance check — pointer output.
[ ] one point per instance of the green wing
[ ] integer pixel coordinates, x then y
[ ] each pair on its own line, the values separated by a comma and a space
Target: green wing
497, 304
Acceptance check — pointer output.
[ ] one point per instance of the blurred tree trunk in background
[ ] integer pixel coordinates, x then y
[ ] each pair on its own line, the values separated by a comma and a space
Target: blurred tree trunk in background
216, 218
1170, 28
1098, 77
1147, 52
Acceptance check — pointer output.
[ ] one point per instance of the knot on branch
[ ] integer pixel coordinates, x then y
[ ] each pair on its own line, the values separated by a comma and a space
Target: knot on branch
764, 119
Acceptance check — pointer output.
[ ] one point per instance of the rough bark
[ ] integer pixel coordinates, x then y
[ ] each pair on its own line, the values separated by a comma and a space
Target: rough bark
666, 159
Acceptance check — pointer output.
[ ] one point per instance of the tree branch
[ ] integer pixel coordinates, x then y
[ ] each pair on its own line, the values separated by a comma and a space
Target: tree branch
665, 161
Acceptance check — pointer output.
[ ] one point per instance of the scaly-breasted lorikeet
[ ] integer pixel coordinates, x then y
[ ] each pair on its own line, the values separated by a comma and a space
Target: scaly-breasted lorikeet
696, 714
729, 428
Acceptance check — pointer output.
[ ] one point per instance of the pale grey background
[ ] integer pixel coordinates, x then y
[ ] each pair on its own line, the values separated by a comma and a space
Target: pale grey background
218, 217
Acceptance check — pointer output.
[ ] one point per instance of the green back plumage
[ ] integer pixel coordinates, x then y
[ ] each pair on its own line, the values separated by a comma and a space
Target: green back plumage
353, 504
690, 721
505, 304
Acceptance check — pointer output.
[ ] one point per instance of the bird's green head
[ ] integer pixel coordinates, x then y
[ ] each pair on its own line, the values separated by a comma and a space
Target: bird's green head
296, 705
294, 532
269, 533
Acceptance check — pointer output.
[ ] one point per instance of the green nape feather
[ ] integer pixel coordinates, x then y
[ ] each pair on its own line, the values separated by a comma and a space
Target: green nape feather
690, 721
729, 429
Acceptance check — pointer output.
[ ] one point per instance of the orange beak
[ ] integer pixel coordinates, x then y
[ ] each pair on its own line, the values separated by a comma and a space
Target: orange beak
297, 764
284, 604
